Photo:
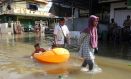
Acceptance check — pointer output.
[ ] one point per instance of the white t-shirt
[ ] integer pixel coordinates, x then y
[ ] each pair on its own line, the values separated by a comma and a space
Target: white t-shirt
59, 34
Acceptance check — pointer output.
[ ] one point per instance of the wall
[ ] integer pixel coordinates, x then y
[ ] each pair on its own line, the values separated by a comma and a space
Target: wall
45, 8
19, 4
81, 23
116, 5
78, 24
120, 14
5, 29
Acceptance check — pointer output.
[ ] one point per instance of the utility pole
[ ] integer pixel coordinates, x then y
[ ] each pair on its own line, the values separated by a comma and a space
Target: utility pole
73, 27
90, 7
93, 6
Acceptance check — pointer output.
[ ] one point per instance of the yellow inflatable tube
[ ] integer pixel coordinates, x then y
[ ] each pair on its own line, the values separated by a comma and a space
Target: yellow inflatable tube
56, 55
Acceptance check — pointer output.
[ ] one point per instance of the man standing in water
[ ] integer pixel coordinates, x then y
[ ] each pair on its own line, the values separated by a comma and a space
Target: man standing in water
126, 29
127, 23
61, 33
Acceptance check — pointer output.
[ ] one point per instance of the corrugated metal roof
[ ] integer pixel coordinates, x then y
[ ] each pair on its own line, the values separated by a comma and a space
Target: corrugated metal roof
60, 10
84, 4
110, 1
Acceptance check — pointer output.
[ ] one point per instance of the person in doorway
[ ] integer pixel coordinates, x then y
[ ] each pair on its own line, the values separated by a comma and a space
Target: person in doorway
18, 28
127, 22
43, 27
88, 42
61, 33
37, 28
113, 24
126, 29
37, 31
111, 28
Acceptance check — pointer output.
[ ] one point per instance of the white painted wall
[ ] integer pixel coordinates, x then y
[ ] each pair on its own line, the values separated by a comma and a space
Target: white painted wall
78, 23
45, 8
20, 4
5, 29
119, 15
116, 5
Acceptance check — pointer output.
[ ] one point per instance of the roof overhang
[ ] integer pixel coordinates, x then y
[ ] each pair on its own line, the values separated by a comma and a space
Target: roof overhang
82, 4
110, 1
41, 1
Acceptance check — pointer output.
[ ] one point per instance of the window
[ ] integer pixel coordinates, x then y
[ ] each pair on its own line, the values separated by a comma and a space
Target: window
32, 6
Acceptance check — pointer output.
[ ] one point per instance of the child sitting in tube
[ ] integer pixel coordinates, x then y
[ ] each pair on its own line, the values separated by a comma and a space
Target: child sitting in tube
38, 49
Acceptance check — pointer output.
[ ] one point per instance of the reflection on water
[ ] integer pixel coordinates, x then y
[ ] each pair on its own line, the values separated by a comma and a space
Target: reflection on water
15, 62
117, 50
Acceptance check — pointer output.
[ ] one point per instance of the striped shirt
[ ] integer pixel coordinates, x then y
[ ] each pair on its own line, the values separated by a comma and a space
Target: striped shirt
86, 51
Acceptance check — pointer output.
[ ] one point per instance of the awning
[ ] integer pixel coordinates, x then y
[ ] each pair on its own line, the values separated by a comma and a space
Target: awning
60, 10
42, 1
83, 4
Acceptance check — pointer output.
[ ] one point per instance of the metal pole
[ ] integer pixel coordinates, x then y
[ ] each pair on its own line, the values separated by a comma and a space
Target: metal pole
73, 16
90, 7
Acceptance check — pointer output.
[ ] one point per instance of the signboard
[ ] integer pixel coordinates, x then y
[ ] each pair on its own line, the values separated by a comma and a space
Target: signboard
129, 4
23, 11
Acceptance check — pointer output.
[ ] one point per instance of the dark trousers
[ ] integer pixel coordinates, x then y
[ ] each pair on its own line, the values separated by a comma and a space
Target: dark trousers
89, 62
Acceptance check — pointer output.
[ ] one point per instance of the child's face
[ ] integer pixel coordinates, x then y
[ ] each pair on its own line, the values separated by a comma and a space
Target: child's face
37, 47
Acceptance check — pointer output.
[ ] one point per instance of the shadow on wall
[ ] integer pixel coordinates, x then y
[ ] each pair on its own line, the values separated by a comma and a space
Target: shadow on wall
78, 24
75, 34
103, 31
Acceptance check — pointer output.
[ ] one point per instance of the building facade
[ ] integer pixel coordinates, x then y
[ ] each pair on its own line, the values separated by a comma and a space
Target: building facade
118, 9
24, 11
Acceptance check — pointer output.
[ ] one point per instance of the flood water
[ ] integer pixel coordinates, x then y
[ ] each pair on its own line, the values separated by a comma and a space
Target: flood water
15, 61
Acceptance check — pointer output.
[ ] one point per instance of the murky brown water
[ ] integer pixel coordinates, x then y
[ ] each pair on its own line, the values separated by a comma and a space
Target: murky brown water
15, 62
